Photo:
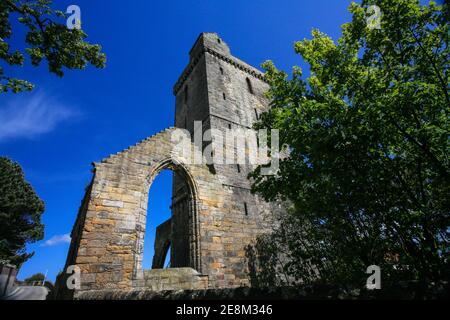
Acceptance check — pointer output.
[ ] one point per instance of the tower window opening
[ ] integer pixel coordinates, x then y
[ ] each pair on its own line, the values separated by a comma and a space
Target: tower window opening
249, 85
238, 168
229, 126
224, 96
221, 70
245, 208
218, 40
167, 259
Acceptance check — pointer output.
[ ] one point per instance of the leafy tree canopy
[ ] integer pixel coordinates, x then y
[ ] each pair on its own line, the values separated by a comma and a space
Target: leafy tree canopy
35, 277
47, 38
20, 214
368, 175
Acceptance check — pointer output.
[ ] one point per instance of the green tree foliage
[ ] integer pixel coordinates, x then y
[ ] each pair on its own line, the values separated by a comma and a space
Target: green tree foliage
35, 277
20, 214
47, 38
368, 175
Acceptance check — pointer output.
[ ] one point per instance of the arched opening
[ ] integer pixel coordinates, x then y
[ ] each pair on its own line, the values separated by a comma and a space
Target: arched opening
170, 237
157, 230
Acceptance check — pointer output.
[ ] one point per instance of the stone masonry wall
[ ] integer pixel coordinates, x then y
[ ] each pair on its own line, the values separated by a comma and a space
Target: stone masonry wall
162, 243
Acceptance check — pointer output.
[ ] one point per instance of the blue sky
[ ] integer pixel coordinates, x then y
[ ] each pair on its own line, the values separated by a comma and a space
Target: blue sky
65, 124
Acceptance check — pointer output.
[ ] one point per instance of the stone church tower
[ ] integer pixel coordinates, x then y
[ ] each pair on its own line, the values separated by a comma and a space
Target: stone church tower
214, 215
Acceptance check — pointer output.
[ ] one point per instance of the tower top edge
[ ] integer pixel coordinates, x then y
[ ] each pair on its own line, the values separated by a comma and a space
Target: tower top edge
212, 43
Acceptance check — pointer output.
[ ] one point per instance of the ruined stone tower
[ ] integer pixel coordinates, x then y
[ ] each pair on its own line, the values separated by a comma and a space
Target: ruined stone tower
214, 215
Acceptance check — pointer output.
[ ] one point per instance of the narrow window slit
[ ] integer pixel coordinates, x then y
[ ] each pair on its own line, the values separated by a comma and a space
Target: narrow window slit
249, 85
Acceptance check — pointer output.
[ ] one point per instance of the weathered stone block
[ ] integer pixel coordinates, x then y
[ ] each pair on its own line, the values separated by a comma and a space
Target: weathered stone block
113, 203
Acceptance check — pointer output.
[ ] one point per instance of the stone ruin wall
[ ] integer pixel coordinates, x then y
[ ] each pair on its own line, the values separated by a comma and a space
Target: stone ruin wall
214, 215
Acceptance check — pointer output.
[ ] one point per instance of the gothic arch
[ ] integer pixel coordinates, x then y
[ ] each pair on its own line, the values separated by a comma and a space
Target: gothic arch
183, 171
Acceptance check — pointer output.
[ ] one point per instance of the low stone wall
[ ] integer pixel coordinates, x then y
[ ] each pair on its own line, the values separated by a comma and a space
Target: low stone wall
403, 291
173, 279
